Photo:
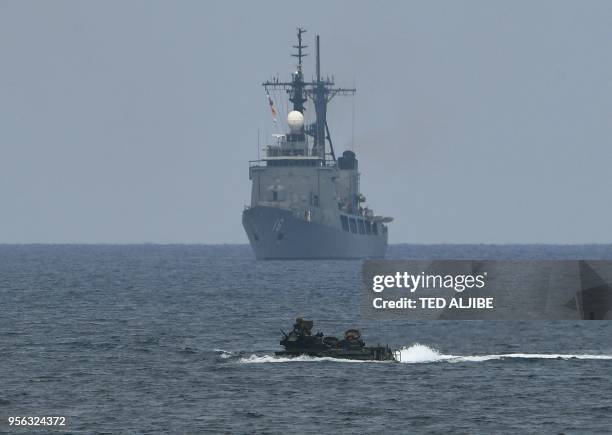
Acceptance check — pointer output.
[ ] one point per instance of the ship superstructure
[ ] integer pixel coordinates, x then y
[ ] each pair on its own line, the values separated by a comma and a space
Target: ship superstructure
305, 202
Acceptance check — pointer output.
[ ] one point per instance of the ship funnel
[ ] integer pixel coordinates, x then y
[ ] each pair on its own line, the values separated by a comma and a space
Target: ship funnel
295, 120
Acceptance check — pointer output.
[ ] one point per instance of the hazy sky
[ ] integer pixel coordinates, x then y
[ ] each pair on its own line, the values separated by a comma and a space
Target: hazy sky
475, 121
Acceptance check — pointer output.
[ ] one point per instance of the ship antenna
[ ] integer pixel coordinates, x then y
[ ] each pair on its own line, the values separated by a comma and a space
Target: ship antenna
296, 94
321, 92
300, 47
318, 61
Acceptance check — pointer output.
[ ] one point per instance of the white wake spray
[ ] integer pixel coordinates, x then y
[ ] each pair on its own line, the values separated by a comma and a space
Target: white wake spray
420, 353
258, 359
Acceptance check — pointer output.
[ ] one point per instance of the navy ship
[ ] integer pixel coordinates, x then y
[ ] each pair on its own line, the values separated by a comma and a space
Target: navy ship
305, 202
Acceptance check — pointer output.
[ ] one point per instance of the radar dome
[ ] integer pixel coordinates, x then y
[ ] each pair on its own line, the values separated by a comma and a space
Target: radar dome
295, 120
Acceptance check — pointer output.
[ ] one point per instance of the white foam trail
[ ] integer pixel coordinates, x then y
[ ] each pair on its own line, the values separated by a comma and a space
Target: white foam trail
420, 353
258, 359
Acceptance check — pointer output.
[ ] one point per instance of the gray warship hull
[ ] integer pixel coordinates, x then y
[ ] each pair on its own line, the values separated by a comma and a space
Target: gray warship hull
276, 233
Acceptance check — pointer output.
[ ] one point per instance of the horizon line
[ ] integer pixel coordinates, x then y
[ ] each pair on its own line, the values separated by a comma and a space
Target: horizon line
247, 244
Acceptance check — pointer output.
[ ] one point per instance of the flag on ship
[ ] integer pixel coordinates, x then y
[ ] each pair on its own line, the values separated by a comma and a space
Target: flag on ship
272, 108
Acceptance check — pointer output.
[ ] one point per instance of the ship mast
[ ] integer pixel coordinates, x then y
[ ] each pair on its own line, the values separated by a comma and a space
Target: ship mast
320, 91
296, 92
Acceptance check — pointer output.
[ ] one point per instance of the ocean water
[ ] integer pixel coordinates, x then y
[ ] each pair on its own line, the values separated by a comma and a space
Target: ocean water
181, 339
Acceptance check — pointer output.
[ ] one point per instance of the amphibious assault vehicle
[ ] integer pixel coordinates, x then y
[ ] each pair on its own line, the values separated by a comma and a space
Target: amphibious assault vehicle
300, 341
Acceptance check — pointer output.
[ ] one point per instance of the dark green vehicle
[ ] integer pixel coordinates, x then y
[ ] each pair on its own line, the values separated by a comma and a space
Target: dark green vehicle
300, 341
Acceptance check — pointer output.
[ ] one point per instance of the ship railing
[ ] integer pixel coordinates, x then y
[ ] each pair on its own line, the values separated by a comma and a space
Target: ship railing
328, 163
256, 163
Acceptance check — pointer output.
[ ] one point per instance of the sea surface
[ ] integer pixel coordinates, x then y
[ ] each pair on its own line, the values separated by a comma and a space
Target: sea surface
181, 339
